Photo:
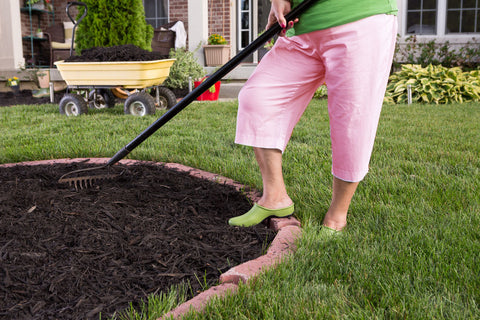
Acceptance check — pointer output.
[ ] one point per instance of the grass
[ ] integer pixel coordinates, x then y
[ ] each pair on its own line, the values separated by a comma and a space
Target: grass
412, 247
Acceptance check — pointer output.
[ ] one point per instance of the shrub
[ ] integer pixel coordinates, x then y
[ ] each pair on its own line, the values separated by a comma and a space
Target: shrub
111, 23
433, 84
321, 92
425, 53
185, 66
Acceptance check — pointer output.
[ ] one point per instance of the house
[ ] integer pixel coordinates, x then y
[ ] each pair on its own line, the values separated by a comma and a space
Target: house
240, 21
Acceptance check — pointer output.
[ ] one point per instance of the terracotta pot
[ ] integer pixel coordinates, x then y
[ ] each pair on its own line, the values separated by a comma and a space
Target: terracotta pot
216, 55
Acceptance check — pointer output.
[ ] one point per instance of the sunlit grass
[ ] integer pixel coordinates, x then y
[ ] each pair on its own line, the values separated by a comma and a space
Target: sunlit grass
411, 249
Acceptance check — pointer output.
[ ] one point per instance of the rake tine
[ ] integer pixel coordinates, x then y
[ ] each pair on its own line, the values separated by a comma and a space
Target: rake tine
84, 182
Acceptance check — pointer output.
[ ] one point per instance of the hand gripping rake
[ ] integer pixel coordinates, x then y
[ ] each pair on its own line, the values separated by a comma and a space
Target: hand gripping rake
85, 181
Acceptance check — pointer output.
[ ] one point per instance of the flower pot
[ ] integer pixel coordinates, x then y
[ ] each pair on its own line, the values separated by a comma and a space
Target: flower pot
43, 76
15, 89
216, 55
208, 95
39, 6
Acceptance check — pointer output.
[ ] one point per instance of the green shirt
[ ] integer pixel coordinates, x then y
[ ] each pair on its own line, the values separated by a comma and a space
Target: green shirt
331, 13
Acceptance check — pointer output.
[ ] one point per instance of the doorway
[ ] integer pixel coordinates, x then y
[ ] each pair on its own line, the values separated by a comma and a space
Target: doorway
252, 17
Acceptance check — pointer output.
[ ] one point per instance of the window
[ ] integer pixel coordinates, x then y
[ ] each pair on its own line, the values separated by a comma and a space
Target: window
463, 16
156, 12
245, 23
422, 16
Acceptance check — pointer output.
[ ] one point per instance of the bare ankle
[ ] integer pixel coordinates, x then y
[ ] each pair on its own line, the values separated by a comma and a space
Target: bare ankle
275, 203
337, 222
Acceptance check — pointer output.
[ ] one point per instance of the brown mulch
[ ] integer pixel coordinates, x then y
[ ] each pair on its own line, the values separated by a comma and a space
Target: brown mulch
68, 254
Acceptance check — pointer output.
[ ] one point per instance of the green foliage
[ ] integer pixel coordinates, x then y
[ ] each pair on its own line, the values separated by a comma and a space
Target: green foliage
110, 23
185, 66
433, 84
216, 39
321, 92
425, 53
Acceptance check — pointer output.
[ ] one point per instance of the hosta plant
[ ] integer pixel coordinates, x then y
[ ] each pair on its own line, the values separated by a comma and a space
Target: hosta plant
433, 84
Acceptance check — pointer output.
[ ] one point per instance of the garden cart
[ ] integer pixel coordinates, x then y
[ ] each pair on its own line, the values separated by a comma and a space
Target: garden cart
139, 80
92, 84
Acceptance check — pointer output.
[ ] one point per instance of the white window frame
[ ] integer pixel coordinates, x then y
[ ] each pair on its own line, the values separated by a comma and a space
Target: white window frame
476, 27
157, 18
441, 35
239, 19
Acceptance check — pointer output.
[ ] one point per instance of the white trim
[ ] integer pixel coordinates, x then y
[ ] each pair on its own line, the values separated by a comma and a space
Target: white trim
11, 55
254, 28
233, 27
198, 27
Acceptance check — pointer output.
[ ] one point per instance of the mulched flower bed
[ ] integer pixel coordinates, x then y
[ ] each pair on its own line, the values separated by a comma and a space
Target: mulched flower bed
24, 97
68, 254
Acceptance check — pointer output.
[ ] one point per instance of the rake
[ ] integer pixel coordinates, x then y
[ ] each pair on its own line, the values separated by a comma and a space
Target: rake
88, 180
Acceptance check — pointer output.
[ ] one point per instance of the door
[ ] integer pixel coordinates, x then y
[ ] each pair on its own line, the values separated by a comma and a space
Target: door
252, 17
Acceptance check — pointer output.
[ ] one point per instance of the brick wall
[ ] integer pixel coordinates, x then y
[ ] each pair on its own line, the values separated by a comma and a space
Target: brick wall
178, 11
218, 15
219, 18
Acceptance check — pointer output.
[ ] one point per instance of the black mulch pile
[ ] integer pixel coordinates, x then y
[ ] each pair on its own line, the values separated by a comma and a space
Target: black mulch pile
8, 98
125, 52
67, 254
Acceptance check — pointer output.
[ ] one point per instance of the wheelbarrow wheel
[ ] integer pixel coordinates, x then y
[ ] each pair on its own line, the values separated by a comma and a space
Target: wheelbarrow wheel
73, 105
166, 98
139, 104
101, 98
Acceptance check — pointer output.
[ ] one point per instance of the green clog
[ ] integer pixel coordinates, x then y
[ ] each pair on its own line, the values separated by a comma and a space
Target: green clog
327, 232
44, 92
257, 214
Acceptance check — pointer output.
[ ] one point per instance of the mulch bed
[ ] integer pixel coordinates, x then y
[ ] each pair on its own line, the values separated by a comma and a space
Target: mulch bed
24, 97
68, 254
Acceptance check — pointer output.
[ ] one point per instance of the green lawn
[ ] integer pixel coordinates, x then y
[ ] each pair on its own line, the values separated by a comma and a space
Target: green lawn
412, 246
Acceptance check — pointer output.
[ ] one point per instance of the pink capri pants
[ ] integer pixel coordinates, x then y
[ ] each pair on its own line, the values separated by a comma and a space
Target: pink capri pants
354, 61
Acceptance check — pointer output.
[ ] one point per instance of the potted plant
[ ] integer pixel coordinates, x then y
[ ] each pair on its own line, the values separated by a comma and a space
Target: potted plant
35, 4
39, 33
217, 51
49, 5
14, 84
211, 94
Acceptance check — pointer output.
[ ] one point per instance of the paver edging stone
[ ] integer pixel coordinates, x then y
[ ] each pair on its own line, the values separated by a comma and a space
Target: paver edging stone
288, 231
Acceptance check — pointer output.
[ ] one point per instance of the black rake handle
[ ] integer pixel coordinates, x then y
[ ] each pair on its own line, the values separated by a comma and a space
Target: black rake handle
211, 80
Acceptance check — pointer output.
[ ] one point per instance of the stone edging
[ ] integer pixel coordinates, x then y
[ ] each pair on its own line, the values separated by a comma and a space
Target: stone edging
288, 231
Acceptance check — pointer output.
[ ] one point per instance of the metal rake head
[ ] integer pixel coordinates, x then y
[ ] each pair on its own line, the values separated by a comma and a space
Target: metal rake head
81, 182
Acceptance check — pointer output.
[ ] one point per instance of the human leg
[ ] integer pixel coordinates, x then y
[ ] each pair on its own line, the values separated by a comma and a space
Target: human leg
270, 104
356, 80
274, 191
275, 200
342, 194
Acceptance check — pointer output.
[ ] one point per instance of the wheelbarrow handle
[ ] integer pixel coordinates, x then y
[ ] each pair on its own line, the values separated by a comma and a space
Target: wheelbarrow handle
211, 80
75, 23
